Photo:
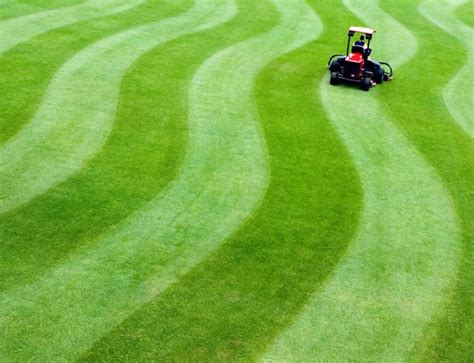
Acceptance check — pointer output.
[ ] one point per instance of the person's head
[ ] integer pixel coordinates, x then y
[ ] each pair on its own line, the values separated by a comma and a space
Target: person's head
362, 38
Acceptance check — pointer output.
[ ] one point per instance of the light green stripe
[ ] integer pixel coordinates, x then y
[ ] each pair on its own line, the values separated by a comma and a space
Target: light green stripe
18, 30
77, 113
398, 272
222, 181
458, 93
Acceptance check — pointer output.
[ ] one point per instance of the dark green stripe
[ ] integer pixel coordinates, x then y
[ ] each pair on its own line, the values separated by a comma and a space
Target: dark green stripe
414, 100
466, 13
232, 306
13, 10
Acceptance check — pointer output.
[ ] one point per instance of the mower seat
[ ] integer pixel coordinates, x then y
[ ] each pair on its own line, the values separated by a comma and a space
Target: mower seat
358, 49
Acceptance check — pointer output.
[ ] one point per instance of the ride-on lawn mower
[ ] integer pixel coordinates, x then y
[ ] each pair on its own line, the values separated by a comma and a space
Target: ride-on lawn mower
356, 66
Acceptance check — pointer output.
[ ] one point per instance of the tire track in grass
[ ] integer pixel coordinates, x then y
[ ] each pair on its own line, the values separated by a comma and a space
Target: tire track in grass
223, 175
236, 69
429, 125
73, 123
18, 30
397, 274
457, 94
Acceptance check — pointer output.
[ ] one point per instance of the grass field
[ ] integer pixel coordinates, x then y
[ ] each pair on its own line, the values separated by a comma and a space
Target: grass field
179, 182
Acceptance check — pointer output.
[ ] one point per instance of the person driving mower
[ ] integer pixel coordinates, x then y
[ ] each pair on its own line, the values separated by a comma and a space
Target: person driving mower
361, 42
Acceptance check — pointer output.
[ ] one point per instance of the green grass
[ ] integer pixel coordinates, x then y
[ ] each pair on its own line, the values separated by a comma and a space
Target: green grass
37, 59
51, 4
465, 12
451, 152
51, 147
237, 206
15, 8
256, 272
109, 188
375, 289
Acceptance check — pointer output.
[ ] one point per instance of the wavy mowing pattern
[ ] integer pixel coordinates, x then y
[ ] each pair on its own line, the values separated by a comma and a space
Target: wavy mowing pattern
13, 177
18, 30
450, 149
73, 123
39, 57
223, 178
235, 68
458, 92
108, 269
123, 176
396, 275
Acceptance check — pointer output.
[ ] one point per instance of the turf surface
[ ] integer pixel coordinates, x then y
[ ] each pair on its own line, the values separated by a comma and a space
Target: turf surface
179, 182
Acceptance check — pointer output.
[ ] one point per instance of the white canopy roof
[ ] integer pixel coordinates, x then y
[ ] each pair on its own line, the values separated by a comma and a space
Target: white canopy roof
359, 29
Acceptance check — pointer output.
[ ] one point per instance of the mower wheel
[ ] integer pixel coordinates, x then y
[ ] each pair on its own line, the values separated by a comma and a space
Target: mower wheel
335, 66
334, 78
379, 75
365, 84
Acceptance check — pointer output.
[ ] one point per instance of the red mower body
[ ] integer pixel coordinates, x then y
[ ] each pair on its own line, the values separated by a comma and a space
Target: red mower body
356, 60
355, 57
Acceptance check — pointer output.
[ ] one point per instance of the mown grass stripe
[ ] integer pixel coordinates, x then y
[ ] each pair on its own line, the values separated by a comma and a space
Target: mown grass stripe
18, 30
195, 337
397, 274
460, 104
428, 124
64, 298
78, 110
